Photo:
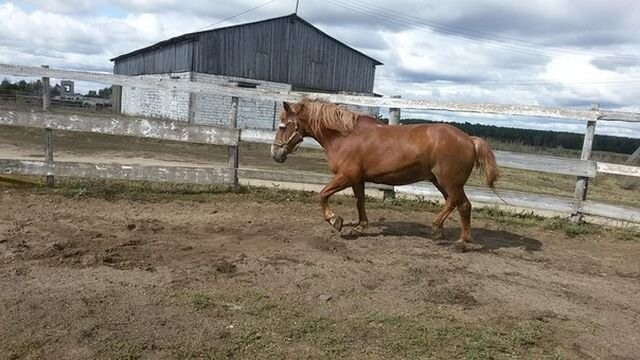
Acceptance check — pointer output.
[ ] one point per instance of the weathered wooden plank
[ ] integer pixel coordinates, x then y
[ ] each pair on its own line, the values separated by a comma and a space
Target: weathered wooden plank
618, 212
116, 99
633, 157
394, 113
484, 195
582, 182
267, 137
46, 91
617, 169
157, 82
47, 135
148, 128
549, 164
166, 83
177, 174
296, 177
531, 201
234, 155
619, 116
284, 176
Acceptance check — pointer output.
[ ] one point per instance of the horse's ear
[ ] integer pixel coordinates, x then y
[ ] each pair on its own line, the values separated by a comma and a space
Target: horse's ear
300, 107
286, 106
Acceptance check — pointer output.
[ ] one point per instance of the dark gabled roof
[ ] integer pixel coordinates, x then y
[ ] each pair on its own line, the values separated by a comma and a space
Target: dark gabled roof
194, 36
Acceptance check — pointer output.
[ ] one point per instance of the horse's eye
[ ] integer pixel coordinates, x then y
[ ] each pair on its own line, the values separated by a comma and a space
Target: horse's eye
282, 126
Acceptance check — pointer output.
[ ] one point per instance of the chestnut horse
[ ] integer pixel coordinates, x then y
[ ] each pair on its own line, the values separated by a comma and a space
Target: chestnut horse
359, 148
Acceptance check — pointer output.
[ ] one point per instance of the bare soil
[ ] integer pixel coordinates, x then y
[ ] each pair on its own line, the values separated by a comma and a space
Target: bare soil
246, 276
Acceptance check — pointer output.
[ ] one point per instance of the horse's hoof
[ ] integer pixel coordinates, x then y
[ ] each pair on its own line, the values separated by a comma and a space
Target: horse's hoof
336, 222
460, 246
436, 234
357, 230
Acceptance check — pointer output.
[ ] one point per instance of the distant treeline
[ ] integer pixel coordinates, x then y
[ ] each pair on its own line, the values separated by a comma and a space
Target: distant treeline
544, 138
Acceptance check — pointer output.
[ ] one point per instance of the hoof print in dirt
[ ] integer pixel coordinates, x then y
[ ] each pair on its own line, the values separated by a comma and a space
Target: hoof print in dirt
225, 267
460, 247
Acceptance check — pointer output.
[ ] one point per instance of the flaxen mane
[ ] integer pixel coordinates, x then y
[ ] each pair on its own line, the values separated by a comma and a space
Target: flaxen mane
323, 116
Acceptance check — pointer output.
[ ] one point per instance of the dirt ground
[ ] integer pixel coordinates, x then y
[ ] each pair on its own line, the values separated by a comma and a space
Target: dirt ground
247, 276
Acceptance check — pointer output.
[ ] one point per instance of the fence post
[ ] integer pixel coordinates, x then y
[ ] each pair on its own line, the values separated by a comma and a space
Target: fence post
116, 99
47, 133
46, 92
633, 157
48, 153
233, 150
582, 182
394, 119
394, 113
192, 100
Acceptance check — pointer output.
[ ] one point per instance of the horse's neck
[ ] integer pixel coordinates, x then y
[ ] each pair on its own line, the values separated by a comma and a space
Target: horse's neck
327, 139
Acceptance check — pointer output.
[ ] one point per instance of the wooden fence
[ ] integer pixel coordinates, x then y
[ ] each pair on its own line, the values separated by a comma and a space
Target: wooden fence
583, 168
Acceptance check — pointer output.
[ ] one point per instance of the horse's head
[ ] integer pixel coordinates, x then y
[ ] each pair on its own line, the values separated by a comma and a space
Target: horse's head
290, 132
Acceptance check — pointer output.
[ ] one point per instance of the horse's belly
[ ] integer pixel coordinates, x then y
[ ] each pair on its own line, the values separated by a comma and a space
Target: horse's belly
404, 176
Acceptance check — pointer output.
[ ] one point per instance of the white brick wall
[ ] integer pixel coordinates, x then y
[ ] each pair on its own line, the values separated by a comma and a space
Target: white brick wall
208, 108
172, 105
252, 114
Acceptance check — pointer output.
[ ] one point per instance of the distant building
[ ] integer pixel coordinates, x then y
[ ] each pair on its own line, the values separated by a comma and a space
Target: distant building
68, 97
284, 53
67, 88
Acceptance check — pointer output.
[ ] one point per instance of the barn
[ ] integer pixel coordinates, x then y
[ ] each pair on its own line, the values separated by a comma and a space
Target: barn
283, 53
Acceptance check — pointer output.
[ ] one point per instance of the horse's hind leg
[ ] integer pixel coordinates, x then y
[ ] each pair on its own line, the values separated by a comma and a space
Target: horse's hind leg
456, 198
358, 191
436, 224
438, 221
336, 184
464, 208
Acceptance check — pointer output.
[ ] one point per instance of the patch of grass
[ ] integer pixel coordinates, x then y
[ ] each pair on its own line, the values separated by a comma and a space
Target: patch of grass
571, 229
425, 337
202, 301
246, 343
520, 218
625, 234
307, 326
385, 319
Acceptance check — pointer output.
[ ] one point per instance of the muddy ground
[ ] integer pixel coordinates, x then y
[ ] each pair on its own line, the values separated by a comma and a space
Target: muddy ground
252, 276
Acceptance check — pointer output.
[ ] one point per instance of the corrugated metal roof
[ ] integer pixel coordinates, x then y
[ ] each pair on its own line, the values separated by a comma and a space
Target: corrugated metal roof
194, 37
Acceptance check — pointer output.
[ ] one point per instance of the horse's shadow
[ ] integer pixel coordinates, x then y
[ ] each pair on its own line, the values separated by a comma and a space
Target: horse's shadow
483, 239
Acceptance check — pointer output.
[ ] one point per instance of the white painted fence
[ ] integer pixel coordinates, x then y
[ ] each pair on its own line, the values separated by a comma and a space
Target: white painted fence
583, 168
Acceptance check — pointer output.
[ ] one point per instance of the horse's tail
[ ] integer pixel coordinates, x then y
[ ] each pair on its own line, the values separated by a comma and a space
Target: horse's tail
486, 160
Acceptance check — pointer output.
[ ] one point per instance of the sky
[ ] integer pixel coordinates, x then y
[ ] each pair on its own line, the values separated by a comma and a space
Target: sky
566, 53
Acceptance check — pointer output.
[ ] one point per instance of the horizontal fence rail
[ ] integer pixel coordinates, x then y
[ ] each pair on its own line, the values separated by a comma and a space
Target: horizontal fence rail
530, 201
166, 83
177, 174
616, 169
147, 128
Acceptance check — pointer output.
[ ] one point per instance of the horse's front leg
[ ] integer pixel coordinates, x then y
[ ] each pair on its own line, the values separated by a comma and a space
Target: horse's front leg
363, 222
338, 183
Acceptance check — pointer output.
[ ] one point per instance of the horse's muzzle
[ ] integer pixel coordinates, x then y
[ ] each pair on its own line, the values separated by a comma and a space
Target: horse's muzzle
278, 153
